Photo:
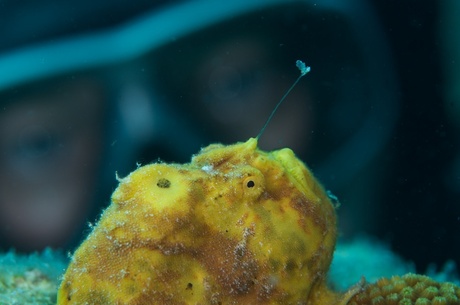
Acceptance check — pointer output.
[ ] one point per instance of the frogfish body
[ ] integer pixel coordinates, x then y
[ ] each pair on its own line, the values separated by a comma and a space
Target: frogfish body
236, 225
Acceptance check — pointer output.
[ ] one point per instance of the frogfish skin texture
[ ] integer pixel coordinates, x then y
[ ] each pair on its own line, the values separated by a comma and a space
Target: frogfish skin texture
236, 225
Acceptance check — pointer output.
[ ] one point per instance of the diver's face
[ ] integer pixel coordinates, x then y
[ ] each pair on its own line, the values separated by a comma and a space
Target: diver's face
49, 146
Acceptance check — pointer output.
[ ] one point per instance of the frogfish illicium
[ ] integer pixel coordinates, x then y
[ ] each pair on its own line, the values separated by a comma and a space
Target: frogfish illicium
236, 225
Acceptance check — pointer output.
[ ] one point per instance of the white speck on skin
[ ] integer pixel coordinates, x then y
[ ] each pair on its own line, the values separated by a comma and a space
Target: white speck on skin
207, 168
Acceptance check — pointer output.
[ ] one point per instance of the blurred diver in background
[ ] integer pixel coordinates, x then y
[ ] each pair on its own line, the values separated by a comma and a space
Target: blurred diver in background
90, 88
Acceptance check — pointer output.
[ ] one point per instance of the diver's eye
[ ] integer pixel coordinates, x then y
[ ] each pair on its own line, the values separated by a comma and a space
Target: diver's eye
250, 184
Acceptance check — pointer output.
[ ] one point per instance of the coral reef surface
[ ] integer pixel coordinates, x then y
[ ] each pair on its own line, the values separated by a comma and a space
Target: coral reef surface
30, 279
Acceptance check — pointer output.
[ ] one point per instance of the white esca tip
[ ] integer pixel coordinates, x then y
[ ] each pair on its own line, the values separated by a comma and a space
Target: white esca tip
302, 67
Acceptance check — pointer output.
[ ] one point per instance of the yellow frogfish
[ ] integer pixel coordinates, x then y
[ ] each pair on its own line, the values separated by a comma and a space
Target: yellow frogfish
236, 225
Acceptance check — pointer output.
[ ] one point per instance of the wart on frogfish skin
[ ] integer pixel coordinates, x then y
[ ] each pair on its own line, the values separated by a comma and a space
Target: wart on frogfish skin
240, 249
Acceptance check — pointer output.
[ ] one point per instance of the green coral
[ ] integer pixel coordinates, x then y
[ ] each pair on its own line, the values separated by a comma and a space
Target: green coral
30, 279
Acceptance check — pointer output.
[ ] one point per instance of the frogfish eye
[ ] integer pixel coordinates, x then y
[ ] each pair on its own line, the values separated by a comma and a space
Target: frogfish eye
250, 183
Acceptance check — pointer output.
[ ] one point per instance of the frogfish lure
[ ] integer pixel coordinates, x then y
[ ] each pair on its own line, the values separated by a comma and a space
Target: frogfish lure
236, 225
303, 71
